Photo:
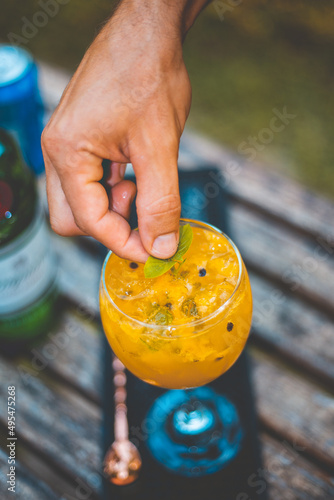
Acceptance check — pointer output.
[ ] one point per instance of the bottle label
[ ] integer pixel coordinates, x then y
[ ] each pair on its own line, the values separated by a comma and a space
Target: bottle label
27, 268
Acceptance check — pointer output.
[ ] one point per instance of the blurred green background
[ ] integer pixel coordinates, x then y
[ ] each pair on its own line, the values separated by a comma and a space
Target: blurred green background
244, 58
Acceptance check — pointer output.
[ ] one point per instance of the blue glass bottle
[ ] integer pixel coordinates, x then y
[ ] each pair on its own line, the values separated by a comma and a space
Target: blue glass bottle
21, 108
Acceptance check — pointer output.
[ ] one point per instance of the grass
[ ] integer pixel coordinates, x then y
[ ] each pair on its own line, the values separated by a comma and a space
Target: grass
259, 57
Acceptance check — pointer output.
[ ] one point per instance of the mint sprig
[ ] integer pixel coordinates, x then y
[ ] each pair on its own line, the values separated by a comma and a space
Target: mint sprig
157, 267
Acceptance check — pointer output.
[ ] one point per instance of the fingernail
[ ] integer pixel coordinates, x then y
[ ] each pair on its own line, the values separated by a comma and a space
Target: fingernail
165, 245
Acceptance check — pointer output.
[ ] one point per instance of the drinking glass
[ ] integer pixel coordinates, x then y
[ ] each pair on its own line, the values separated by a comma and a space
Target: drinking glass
196, 430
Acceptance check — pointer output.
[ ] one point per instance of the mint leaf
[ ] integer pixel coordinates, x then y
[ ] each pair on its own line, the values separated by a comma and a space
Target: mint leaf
157, 267
186, 237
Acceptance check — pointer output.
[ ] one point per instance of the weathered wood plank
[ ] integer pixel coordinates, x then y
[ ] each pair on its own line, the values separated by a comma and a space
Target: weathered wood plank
73, 351
40, 469
301, 333
298, 263
27, 487
79, 274
256, 186
57, 423
289, 476
295, 408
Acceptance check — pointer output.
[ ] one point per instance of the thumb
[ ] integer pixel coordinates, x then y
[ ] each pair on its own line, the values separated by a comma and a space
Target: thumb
158, 203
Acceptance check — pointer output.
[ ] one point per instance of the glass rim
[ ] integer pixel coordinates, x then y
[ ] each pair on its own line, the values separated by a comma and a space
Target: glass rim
191, 323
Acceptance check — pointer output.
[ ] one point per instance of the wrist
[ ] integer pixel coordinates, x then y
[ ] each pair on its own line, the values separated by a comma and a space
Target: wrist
169, 18
142, 29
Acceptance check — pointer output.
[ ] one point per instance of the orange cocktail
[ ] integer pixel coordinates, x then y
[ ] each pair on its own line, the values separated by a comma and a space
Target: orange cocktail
185, 328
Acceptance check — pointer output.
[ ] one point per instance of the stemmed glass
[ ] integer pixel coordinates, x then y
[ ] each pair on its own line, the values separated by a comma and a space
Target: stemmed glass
196, 430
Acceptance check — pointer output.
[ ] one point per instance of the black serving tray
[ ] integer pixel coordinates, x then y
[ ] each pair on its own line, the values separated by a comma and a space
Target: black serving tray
203, 199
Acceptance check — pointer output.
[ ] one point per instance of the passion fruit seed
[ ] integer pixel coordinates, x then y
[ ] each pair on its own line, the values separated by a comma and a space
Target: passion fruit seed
202, 272
163, 317
160, 315
230, 326
189, 307
133, 265
169, 305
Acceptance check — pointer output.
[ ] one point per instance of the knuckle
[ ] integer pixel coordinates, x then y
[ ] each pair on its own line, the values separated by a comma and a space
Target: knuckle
51, 139
56, 137
45, 139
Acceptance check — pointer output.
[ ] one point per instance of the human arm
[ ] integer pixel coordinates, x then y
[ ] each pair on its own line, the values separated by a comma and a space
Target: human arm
127, 102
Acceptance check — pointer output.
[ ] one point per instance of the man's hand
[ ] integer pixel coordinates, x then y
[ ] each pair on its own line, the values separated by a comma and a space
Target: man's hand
127, 102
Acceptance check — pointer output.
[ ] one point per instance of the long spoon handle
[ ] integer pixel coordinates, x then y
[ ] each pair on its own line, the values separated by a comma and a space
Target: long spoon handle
121, 427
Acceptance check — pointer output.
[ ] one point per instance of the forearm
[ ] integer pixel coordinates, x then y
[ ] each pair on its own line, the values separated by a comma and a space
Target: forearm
172, 18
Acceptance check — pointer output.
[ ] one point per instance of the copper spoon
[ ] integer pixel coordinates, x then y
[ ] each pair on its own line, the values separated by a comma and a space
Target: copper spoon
122, 462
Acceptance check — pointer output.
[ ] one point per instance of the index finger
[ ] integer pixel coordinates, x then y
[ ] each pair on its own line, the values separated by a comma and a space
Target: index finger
90, 204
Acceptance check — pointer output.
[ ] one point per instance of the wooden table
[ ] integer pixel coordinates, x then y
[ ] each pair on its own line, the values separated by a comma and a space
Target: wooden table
286, 236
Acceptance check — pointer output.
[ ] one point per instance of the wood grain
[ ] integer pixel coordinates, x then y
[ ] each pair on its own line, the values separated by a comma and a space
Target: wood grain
298, 263
73, 353
264, 190
56, 422
79, 274
27, 486
294, 408
304, 335
289, 476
